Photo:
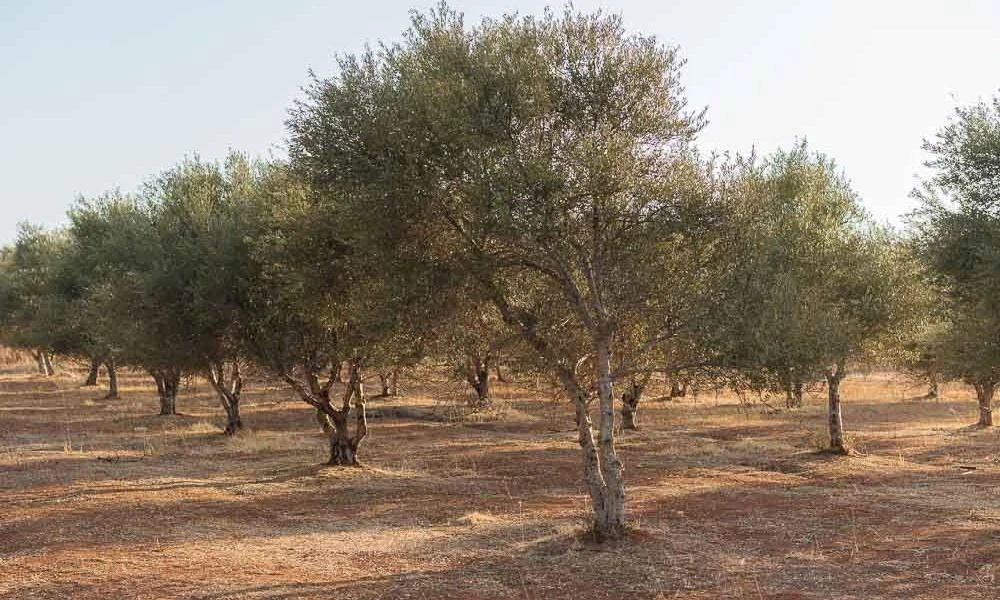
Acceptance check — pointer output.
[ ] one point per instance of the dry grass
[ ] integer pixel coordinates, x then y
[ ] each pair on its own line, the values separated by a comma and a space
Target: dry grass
102, 499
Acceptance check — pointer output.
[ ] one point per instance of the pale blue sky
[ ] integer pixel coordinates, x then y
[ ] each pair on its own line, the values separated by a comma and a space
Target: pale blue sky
100, 94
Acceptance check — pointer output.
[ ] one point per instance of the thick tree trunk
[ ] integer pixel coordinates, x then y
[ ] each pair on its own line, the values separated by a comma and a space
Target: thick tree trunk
167, 383
343, 446
227, 381
112, 379
630, 404
836, 420
343, 451
478, 376
95, 367
984, 396
609, 510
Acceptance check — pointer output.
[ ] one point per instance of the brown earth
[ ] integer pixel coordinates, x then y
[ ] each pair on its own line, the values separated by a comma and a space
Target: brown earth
103, 499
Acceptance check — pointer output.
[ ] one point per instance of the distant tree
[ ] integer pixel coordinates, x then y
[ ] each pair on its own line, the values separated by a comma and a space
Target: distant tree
957, 233
544, 159
30, 315
810, 286
167, 272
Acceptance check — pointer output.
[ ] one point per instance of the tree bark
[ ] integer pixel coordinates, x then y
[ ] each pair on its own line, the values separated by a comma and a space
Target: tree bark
167, 382
933, 387
112, 379
343, 446
478, 375
394, 383
95, 367
833, 378
498, 372
610, 524
227, 381
44, 363
984, 396
630, 403
793, 394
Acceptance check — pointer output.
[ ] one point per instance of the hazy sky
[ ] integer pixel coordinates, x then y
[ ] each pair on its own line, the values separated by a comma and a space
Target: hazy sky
100, 94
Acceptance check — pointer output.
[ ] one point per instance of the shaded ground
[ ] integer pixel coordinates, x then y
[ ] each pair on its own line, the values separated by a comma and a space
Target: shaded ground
102, 499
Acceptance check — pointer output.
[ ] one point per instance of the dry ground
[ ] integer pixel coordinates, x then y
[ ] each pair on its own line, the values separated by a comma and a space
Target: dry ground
103, 499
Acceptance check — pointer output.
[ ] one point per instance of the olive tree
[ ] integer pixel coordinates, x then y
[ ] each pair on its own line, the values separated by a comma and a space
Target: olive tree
957, 232
546, 160
29, 311
810, 285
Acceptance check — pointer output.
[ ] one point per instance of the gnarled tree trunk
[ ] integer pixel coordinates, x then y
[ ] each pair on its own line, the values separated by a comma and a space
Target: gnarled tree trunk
836, 421
168, 381
984, 396
334, 420
477, 374
95, 367
227, 381
630, 402
112, 379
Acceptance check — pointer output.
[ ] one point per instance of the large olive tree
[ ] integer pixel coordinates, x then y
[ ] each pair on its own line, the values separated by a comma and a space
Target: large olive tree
547, 161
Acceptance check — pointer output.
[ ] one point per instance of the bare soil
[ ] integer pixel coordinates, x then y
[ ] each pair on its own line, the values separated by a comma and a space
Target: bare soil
104, 499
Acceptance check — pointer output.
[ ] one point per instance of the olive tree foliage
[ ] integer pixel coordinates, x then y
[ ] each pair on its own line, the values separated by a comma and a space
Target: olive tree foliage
323, 299
30, 315
168, 271
957, 233
547, 162
809, 285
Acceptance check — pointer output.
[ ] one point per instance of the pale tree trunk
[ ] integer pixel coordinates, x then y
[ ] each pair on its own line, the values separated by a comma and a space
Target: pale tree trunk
610, 519
477, 374
44, 362
793, 393
984, 396
227, 381
836, 421
933, 387
95, 367
389, 381
167, 383
601, 466
112, 379
630, 402
498, 372
394, 383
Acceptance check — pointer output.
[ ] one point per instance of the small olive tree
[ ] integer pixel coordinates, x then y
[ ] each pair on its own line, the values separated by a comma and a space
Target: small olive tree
956, 231
809, 285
